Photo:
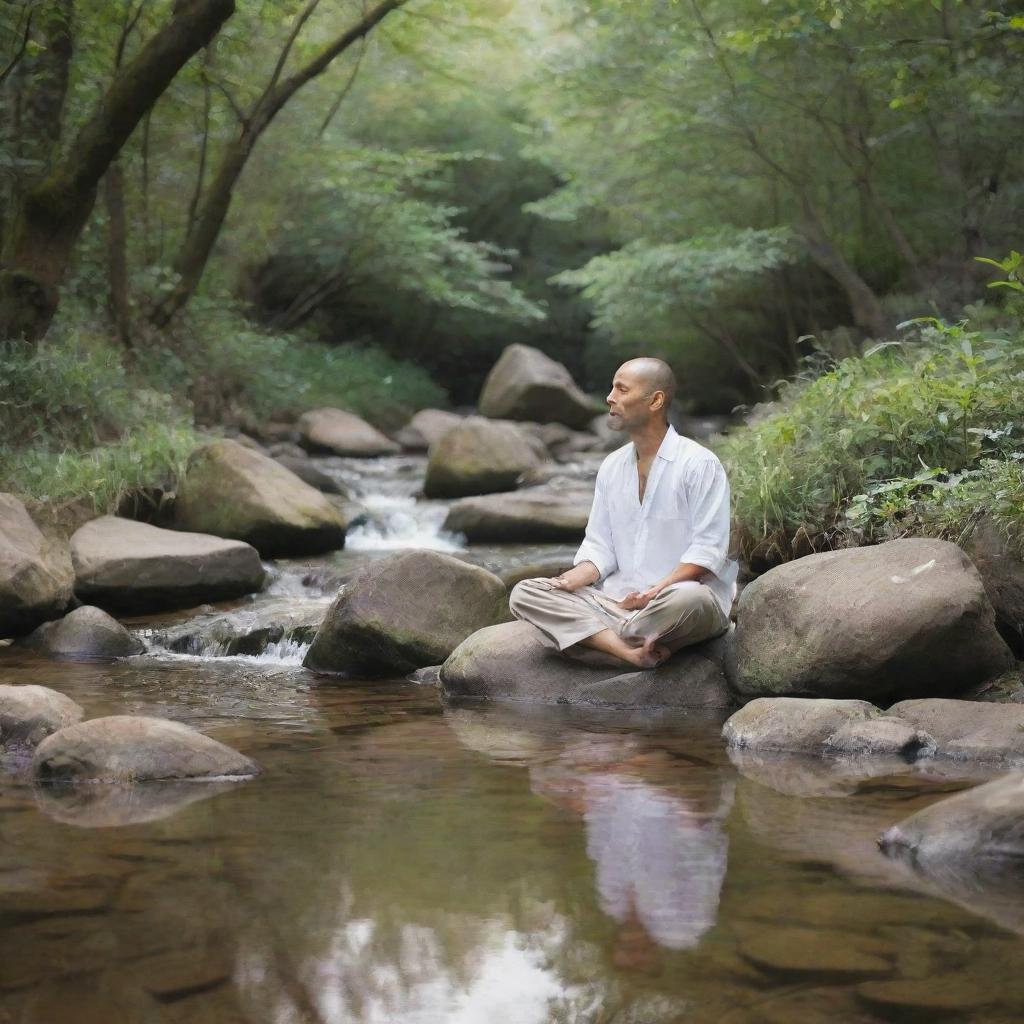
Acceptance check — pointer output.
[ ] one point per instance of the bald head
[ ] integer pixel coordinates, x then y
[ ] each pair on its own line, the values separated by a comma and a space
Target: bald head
652, 375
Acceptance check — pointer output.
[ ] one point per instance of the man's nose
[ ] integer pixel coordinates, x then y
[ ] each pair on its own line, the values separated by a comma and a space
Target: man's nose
609, 397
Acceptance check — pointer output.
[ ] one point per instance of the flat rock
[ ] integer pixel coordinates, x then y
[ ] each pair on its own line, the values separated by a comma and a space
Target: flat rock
36, 577
86, 634
123, 565
886, 737
793, 724
526, 384
129, 748
478, 456
404, 612
968, 730
512, 662
908, 618
28, 713
426, 427
338, 432
940, 994
814, 951
538, 514
230, 491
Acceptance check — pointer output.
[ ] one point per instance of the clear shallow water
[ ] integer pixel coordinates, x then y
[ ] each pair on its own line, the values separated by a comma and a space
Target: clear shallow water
403, 861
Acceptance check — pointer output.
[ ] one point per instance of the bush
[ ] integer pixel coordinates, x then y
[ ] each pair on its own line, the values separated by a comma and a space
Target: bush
916, 436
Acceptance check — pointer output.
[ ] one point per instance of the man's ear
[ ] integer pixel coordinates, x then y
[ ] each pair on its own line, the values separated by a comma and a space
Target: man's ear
658, 400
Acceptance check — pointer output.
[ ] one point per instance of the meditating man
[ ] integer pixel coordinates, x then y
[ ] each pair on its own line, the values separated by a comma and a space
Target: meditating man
653, 573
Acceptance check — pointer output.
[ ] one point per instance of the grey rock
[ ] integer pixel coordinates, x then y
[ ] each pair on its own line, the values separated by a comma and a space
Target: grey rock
1005, 689
28, 714
229, 491
534, 515
36, 577
512, 662
886, 737
1002, 572
338, 432
428, 676
904, 619
968, 730
128, 748
525, 384
426, 427
553, 565
404, 612
287, 449
310, 474
122, 565
979, 830
86, 634
793, 724
478, 457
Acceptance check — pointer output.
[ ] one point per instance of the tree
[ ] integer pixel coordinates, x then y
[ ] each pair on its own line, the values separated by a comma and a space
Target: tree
47, 216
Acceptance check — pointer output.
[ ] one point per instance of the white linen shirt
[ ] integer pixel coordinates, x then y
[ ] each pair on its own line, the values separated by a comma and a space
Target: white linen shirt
684, 517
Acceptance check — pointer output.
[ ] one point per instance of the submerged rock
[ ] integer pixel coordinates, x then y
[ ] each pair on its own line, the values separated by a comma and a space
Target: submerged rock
526, 384
426, 427
512, 662
404, 612
536, 515
229, 491
36, 577
86, 634
129, 748
123, 565
904, 619
28, 714
478, 457
337, 432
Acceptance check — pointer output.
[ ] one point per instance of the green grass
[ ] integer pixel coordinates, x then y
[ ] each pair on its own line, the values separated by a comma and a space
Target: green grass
81, 419
919, 437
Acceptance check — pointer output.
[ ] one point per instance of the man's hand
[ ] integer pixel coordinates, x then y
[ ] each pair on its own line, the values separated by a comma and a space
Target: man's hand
581, 575
638, 599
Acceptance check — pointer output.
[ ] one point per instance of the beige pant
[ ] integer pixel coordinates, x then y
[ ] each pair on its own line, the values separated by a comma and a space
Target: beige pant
676, 618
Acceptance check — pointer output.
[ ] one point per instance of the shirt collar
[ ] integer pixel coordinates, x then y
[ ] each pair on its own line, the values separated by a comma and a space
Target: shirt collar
669, 445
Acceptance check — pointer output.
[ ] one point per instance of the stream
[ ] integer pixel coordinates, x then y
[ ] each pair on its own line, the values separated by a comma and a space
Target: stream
405, 861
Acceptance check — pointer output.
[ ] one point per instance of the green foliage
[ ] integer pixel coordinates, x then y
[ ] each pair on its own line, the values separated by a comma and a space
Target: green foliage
915, 436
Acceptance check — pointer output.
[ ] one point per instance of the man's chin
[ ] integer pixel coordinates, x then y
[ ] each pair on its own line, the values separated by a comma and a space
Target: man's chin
615, 422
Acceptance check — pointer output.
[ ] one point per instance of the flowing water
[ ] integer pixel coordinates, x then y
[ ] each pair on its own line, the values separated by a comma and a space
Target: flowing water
402, 861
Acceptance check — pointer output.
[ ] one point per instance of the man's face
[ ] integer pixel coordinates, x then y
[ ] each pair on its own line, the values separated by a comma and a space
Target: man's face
629, 401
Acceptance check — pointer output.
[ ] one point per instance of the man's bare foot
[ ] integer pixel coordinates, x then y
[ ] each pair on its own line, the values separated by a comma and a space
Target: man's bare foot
650, 654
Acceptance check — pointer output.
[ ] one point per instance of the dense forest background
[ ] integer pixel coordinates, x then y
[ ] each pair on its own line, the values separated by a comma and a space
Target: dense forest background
223, 213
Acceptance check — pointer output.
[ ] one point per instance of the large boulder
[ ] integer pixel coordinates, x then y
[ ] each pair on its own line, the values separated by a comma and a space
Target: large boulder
36, 577
534, 515
478, 456
28, 714
337, 432
525, 384
130, 748
511, 662
86, 634
426, 427
980, 831
1002, 571
904, 619
404, 612
230, 491
132, 567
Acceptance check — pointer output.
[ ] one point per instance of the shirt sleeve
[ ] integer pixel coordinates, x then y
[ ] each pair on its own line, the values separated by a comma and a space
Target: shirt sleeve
597, 546
707, 494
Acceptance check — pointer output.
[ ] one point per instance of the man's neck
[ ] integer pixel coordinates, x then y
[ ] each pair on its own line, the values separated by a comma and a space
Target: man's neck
648, 439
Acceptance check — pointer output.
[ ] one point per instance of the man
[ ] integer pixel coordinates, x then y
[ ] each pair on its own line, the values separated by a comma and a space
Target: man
653, 573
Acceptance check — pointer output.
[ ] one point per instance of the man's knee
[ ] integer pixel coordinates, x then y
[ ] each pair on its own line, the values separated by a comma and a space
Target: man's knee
524, 594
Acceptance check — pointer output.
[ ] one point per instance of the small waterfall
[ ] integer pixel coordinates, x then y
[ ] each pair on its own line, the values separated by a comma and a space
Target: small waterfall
395, 521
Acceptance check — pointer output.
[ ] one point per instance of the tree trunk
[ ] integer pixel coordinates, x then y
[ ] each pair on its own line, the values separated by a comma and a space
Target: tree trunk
117, 253
198, 246
864, 304
53, 213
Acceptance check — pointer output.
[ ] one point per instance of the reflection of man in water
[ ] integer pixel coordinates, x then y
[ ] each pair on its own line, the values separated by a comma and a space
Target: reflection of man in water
653, 573
660, 853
